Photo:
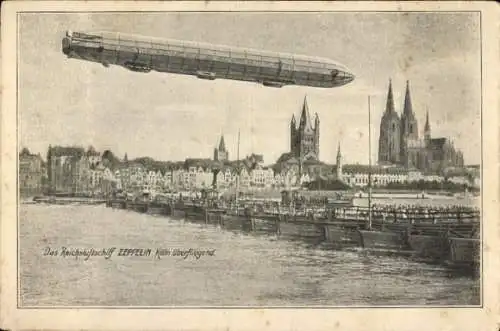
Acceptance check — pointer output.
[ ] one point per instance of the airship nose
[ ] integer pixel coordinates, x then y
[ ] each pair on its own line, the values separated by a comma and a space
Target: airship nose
349, 77
66, 45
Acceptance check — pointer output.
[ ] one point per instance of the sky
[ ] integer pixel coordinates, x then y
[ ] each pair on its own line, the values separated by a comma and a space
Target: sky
172, 117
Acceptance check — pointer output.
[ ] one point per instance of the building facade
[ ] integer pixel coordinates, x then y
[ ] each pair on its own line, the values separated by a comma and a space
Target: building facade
31, 174
72, 170
400, 143
67, 169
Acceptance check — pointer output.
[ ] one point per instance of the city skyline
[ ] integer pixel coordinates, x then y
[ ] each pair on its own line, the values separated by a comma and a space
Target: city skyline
159, 116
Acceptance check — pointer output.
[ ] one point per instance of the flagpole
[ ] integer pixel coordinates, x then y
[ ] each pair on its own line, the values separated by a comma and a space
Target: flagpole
238, 169
369, 166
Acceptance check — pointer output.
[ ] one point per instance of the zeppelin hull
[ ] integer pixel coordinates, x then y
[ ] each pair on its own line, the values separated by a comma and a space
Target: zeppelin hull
208, 62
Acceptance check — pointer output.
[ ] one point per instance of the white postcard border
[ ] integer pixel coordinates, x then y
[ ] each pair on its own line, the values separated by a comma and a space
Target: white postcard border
484, 318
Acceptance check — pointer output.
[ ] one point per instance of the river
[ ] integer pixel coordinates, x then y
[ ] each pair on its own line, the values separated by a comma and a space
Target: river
243, 270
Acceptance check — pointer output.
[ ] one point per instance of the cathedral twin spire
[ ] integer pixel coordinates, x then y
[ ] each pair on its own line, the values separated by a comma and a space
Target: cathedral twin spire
389, 107
407, 108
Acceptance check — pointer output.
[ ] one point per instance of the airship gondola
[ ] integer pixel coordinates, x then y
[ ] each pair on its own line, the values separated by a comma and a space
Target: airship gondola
205, 61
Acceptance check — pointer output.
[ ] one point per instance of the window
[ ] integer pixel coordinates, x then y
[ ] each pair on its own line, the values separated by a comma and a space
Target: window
190, 52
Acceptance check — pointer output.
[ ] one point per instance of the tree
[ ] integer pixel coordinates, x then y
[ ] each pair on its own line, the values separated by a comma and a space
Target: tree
109, 159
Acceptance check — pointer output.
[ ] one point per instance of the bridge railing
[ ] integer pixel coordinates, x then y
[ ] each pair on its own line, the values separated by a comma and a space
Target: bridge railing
385, 214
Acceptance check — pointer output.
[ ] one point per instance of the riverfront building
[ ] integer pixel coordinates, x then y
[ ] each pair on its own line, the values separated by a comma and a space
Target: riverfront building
31, 173
72, 170
400, 144
67, 169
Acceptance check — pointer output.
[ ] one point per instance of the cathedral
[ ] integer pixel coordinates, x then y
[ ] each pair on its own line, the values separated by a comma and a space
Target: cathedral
304, 138
400, 144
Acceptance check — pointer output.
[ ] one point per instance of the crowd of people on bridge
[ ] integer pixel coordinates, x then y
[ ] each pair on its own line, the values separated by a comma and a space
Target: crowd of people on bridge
426, 209
322, 207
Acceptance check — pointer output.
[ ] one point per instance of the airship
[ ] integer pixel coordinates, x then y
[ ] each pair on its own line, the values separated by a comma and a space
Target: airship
203, 60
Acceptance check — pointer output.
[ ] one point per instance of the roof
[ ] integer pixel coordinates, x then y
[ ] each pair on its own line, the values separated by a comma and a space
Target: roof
25, 153
389, 107
454, 172
408, 109
30, 157
258, 158
92, 152
66, 151
131, 165
313, 161
365, 169
284, 158
203, 163
222, 144
438, 142
305, 116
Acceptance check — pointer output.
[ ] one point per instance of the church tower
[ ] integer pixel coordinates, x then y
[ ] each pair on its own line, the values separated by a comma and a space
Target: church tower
390, 127
339, 164
220, 153
427, 130
409, 126
305, 139
316, 135
293, 133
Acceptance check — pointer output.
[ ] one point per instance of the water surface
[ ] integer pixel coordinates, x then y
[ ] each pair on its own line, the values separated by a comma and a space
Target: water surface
246, 269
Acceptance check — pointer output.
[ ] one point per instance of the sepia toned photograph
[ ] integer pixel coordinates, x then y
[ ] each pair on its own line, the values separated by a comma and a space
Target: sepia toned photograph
275, 166
249, 159
251, 166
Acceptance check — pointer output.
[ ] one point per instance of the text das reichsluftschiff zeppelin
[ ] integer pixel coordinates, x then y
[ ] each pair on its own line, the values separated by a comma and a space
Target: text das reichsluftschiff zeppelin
107, 253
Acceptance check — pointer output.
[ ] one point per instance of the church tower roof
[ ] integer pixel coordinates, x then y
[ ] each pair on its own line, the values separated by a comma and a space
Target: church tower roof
305, 117
408, 109
222, 144
389, 107
339, 154
427, 125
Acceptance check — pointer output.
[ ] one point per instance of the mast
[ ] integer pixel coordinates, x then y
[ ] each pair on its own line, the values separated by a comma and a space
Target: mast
369, 166
238, 168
